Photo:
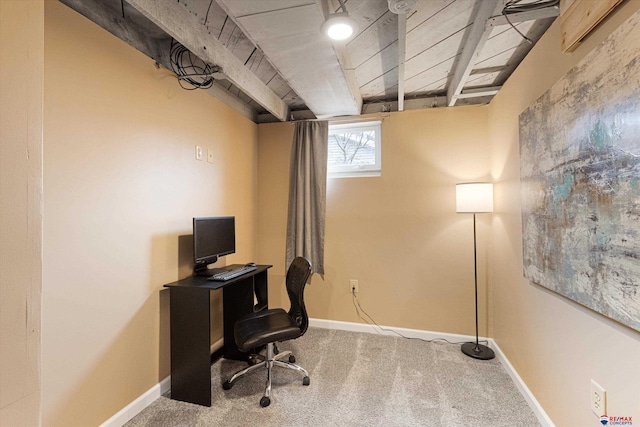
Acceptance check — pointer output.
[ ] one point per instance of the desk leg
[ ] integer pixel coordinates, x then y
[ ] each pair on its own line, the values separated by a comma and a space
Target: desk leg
190, 345
237, 300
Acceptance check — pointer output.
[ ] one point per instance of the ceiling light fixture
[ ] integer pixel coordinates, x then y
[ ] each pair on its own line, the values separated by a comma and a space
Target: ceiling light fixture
402, 7
338, 26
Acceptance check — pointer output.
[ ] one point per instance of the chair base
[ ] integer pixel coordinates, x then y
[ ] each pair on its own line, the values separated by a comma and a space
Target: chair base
269, 361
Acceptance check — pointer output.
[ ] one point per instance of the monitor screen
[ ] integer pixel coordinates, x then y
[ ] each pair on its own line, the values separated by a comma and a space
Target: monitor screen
213, 237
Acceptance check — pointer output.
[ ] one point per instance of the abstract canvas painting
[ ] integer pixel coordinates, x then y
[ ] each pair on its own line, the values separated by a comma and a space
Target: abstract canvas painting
580, 174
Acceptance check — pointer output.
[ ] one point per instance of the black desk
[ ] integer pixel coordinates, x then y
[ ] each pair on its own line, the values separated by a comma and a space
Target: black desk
190, 310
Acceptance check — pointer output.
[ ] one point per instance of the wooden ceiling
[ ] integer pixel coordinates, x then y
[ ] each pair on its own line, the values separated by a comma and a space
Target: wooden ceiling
270, 61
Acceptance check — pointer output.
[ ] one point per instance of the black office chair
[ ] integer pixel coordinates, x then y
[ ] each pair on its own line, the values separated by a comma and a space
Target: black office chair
270, 326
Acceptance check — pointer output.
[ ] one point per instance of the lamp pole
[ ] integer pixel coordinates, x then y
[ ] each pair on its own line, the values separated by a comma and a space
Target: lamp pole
475, 197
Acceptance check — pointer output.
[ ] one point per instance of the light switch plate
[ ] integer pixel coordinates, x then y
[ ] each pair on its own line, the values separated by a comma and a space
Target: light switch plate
198, 152
209, 155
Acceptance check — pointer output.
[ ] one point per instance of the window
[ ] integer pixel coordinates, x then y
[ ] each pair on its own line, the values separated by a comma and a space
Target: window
354, 150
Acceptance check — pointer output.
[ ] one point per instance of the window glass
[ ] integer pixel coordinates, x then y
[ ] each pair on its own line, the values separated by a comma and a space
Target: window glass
354, 150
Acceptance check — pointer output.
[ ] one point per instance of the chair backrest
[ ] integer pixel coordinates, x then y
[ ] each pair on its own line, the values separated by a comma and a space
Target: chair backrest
297, 276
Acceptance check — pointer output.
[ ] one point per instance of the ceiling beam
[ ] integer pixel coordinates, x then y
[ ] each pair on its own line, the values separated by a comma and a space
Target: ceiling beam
475, 39
487, 70
478, 92
392, 106
344, 58
530, 15
409, 104
373, 107
186, 28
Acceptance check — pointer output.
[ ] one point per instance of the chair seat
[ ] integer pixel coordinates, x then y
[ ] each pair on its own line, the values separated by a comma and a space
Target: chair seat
263, 327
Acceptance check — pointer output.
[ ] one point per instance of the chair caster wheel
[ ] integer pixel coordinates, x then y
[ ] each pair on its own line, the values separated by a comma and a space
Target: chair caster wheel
292, 358
306, 381
227, 385
265, 401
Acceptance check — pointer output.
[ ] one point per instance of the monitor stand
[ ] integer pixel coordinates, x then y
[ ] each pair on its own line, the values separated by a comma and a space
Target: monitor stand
203, 270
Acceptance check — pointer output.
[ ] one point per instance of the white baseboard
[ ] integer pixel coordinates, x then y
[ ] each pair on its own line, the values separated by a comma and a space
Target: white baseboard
410, 333
524, 390
533, 403
135, 407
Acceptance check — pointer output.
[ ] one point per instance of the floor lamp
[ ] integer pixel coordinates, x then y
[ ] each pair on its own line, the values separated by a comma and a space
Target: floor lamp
475, 197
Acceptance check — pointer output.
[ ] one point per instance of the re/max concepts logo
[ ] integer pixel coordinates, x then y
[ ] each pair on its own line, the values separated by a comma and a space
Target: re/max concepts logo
616, 421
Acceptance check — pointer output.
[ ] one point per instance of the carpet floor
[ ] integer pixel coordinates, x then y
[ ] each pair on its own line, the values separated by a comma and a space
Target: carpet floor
358, 379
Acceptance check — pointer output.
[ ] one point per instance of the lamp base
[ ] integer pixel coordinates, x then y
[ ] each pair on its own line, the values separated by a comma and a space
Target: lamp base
477, 351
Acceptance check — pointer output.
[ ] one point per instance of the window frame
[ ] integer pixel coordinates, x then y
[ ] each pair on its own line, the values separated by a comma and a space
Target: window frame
350, 171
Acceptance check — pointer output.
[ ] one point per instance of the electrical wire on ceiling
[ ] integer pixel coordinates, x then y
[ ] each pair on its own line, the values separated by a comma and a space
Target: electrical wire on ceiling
517, 6
206, 17
188, 67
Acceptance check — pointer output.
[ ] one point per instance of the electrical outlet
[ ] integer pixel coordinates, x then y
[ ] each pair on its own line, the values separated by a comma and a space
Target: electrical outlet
353, 286
598, 399
198, 152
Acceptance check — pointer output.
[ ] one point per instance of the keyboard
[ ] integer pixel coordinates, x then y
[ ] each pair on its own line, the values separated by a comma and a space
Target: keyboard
230, 274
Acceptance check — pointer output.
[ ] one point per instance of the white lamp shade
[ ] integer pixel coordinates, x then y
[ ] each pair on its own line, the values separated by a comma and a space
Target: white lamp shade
474, 197
339, 26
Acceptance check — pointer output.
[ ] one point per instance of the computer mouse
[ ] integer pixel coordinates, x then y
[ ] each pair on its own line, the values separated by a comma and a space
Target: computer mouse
250, 264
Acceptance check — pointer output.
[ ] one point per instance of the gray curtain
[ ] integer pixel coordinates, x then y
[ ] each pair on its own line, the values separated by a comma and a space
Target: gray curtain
308, 194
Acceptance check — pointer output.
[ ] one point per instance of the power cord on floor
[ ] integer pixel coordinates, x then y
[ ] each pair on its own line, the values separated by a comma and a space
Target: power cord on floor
372, 322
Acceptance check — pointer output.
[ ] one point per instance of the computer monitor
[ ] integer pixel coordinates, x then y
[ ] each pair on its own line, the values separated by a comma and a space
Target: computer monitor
213, 237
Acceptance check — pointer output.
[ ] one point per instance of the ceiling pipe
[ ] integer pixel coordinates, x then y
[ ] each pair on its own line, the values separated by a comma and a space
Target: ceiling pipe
401, 8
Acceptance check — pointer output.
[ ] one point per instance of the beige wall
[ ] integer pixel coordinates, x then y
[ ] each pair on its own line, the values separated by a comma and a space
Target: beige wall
21, 81
121, 184
556, 345
398, 234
